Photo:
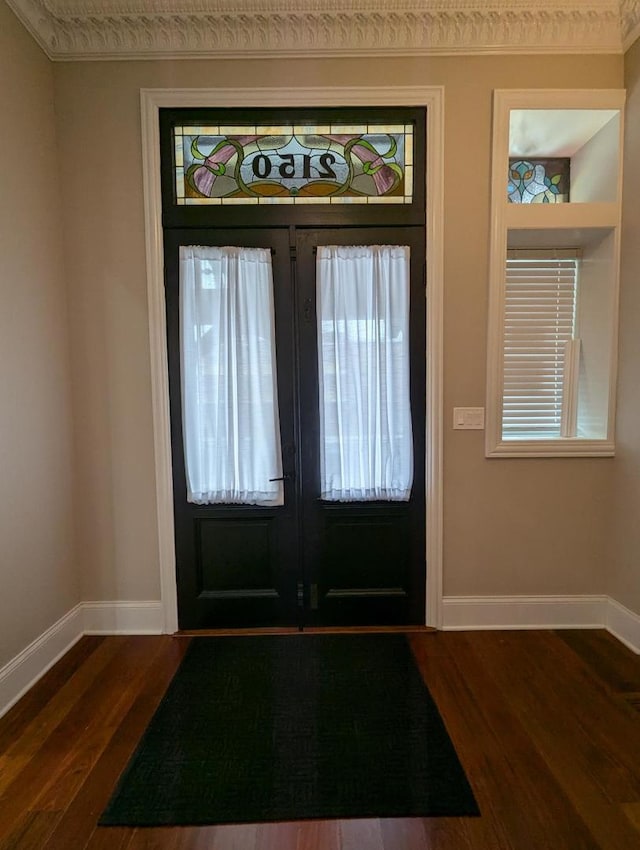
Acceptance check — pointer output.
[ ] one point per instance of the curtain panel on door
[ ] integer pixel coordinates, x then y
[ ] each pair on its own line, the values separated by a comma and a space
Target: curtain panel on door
366, 445
228, 372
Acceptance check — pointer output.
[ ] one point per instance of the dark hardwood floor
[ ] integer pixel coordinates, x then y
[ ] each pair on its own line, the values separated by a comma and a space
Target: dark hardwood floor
546, 724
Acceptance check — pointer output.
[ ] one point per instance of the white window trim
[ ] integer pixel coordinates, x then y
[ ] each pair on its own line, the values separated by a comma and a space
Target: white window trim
432, 97
567, 216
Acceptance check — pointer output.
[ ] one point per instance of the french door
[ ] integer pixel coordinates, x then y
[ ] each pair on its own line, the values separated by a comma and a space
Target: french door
311, 560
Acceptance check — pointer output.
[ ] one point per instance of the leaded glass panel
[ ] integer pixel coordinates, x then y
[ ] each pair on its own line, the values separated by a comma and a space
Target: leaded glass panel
539, 181
294, 164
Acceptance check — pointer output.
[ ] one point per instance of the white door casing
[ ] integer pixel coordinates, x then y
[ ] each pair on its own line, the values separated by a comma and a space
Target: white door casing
431, 97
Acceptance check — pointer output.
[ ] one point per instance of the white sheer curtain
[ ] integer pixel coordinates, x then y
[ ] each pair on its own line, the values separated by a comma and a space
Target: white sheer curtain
366, 449
229, 391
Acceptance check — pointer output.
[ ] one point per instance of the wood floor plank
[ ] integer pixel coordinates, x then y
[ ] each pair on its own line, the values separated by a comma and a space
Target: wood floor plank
155, 838
24, 747
17, 720
277, 836
515, 788
266, 836
474, 743
463, 834
608, 752
407, 833
49, 781
632, 812
227, 837
614, 663
105, 717
617, 743
546, 698
356, 834
319, 835
31, 832
94, 793
196, 838
114, 838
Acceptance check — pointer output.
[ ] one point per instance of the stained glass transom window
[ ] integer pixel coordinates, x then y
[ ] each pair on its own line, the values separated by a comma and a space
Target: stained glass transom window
539, 181
290, 164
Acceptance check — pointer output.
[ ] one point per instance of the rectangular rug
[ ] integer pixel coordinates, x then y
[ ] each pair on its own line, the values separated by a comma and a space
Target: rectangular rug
291, 727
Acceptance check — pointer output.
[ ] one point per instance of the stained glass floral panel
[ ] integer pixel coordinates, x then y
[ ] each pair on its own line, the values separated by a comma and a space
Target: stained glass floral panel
290, 164
539, 181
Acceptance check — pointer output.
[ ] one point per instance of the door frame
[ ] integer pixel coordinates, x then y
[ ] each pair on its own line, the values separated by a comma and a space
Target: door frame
431, 97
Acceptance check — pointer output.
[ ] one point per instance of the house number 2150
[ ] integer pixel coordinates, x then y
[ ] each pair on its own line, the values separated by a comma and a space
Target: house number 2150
262, 166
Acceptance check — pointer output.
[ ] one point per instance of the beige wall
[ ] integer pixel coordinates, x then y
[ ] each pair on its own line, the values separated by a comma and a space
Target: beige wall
624, 576
511, 526
37, 570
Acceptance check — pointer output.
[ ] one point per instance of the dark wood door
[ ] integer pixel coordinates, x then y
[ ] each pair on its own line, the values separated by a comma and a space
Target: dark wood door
364, 561
237, 565
307, 561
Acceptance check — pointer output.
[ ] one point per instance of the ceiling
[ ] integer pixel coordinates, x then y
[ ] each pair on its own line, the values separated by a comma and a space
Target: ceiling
138, 29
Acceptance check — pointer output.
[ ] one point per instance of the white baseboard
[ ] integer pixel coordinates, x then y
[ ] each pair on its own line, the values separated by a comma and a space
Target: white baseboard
624, 624
122, 618
87, 618
28, 666
459, 612
524, 612
542, 612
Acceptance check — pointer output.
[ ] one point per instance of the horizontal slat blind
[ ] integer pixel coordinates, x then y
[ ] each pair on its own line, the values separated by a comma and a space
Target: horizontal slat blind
540, 309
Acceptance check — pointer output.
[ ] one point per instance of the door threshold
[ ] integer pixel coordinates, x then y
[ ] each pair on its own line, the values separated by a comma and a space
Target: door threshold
365, 629
293, 630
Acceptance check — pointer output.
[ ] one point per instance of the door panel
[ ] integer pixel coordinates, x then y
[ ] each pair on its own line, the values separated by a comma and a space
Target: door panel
236, 564
364, 562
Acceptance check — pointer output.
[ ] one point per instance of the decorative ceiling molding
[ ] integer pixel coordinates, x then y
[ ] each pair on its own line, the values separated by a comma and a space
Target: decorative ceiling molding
127, 29
630, 22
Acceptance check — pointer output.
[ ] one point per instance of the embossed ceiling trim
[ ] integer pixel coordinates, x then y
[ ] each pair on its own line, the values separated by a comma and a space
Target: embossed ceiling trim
630, 21
151, 29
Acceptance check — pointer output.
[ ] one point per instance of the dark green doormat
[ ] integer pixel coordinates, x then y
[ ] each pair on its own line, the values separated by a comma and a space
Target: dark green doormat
293, 727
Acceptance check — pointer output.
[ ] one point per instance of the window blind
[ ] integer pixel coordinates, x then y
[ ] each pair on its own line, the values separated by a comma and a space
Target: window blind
539, 326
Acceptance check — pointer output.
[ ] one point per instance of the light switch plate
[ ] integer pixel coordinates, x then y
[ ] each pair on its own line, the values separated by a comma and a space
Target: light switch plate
468, 418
